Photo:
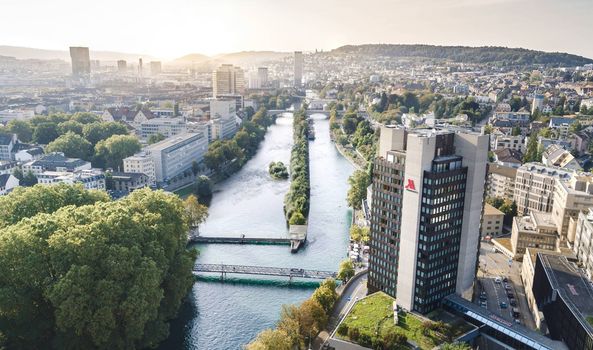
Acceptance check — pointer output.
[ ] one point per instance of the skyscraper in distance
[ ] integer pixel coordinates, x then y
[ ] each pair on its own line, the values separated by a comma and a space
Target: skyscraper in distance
122, 66
262, 76
155, 67
81, 61
298, 68
228, 80
426, 208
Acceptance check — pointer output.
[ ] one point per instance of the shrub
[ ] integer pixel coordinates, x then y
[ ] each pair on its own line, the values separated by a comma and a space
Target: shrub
353, 334
343, 329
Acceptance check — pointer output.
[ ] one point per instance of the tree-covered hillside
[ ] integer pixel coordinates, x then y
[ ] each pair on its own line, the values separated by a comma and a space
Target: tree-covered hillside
465, 54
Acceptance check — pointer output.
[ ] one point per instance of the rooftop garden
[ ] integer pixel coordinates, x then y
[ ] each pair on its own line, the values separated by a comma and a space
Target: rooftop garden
370, 323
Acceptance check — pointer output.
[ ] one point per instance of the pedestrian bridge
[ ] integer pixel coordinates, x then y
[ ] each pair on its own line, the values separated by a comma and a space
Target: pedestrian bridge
262, 271
310, 112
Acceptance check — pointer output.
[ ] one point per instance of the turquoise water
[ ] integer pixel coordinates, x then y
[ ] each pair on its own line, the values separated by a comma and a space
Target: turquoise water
229, 315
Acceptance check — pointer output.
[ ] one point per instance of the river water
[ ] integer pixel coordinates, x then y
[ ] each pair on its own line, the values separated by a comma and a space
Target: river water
229, 315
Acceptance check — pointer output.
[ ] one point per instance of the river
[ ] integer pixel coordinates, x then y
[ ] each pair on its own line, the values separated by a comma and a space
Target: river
221, 316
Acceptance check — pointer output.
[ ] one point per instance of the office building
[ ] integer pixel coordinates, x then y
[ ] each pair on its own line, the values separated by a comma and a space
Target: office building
155, 68
141, 163
534, 187
262, 76
140, 68
428, 188
537, 230
492, 221
298, 68
81, 61
122, 66
501, 181
165, 126
223, 117
570, 198
228, 80
55, 162
174, 155
563, 294
583, 241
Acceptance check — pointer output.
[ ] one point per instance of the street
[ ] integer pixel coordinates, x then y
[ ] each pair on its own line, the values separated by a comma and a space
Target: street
496, 265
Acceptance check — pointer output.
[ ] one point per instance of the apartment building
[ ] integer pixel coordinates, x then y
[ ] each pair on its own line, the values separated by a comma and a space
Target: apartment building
501, 181
570, 198
534, 187
492, 221
141, 163
537, 230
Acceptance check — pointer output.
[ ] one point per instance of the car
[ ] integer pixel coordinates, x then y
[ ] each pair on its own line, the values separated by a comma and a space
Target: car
505, 279
483, 296
513, 302
497, 280
484, 304
494, 250
507, 287
517, 321
510, 295
503, 305
349, 298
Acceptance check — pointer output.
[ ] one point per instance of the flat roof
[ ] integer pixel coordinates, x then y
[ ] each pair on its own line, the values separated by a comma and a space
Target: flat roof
505, 171
172, 141
572, 285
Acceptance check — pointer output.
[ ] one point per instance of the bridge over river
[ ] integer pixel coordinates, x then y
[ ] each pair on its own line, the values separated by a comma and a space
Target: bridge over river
263, 271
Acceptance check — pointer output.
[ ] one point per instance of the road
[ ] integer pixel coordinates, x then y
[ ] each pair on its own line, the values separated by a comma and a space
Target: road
356, 290
494, 265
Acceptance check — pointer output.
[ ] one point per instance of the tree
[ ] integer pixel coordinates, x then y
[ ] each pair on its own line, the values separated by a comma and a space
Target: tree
271, 340
531, 153
72, 145
111, 152
110, 274
346, 270
312, 318
297, 218
21, 128
359, 181
393, 339
29, 179
196, 212
85, 118
326, 294
154, 138
509, 208
202, 188
349, 123
95, 132
45, 133
359, 233
456, 346
488, 129
70, 126
195, 168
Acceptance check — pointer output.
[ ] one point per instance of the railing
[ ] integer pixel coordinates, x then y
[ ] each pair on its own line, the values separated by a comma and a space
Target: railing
263, 270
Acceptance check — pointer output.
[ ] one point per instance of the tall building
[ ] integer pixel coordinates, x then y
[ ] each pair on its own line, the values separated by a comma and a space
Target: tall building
228, 80
81, 61
155, 67
298, 68
501, 181
122, 66
223, 116
538, 103
140, 68
570, 198
428, 189
262, 76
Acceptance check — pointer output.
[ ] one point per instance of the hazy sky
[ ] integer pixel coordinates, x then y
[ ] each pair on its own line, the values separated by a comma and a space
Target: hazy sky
172, 28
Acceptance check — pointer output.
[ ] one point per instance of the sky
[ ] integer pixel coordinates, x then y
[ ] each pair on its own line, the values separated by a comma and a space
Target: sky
173, 28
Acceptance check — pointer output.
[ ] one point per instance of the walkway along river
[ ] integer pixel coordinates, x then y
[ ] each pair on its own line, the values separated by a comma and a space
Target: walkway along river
229, 315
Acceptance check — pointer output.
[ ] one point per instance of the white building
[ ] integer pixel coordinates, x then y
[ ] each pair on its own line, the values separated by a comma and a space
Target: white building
7, 143
174, 155
55, 162
11, 114
27, 155
7, 183
91, 179
223, 116
141, 163
165, 126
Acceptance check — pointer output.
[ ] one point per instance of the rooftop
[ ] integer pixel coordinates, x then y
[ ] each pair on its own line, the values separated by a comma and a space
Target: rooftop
502, 170
172, 141
574, 287
490, 210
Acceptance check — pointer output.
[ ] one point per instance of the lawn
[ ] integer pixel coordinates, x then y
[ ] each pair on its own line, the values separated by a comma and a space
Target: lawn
184, 192
374, 316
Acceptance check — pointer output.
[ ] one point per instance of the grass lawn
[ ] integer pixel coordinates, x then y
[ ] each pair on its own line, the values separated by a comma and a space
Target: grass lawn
184, 192
374, 316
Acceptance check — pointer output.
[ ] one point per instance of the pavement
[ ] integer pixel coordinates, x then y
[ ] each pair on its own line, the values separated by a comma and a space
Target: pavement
494, 265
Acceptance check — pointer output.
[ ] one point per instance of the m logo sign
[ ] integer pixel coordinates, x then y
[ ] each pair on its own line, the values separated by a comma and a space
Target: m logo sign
410, 186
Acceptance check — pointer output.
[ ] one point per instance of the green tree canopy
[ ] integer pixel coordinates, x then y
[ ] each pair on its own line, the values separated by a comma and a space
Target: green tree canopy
359, 181
97, 131
346, 270
72, 145
21, 128
45, 133
108, 275
154, 138
111, 152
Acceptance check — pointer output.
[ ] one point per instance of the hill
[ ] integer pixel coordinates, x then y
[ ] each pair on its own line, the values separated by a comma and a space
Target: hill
191, 58
22, 53
466, 54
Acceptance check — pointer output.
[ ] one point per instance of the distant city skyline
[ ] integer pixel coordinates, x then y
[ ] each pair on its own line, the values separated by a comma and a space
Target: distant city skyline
178, 27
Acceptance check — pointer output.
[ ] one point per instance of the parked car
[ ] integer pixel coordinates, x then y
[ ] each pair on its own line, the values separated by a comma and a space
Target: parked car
505, 279
497, 280
483, 296
484, 304
513, 302
503, 305
507, 287
517, 321
510, 295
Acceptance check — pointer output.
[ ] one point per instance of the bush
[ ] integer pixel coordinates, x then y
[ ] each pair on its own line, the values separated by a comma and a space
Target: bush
297, 219
278, 170
365, 340
353, 334
343, 329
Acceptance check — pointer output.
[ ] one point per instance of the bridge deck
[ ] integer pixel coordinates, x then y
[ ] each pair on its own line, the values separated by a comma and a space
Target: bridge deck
263, 270
239, 240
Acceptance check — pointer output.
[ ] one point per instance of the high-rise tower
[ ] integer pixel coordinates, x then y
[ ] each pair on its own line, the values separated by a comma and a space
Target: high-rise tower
428, 188
81, 61
298, 68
